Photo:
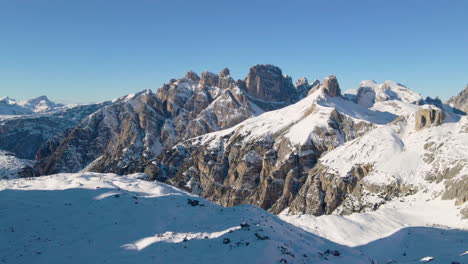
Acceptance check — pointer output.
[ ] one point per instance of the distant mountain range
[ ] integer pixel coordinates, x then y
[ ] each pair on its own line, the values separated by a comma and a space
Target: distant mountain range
39, 104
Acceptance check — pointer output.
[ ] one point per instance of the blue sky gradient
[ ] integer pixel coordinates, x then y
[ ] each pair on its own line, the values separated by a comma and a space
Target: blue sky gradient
94, 50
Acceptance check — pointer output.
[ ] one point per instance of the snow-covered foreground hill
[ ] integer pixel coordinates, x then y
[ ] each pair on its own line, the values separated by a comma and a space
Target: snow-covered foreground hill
403, 231
104, 218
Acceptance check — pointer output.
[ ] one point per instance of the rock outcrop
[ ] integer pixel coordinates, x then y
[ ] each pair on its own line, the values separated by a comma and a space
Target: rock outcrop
331, 87
429, 117
305, 88
266, 82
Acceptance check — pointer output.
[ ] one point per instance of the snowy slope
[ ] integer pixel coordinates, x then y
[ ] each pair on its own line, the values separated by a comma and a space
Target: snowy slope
98, 218
297, 121
10, 165
40, 104
402, 154
388, 101
404, 230
389, 97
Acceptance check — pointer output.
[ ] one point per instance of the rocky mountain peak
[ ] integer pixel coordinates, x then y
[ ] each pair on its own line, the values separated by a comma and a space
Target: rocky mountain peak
193, 76
224, 73
266, 82
38, 99
209, 79
330, 86
225, 81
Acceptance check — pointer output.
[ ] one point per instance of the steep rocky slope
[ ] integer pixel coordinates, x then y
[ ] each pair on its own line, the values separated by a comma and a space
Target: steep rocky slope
391, 161
265, 160
277, 160
460, 101
124, 136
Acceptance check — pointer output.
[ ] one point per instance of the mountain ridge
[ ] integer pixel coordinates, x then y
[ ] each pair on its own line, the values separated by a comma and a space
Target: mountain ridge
261, 140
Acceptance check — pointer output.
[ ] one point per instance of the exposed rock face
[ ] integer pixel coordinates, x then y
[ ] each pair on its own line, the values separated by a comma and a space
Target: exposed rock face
327, 193
209, 79
225, 81
264, 161
331, 86
113, 135
236, 167
266, 82
125, 136
192, 76
460, 101
225, 72
429, 117
304, 87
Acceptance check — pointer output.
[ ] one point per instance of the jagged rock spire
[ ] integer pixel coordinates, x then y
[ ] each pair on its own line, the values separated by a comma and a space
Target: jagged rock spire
224, 73
330, 86
191, 75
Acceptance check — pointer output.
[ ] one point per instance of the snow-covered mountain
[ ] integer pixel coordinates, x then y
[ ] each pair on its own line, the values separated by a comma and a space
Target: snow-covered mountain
127, 134
40, 104
328, 153
25, 138
367, 174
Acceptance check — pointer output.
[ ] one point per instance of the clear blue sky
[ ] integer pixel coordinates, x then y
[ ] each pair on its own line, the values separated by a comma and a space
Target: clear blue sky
85, 51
